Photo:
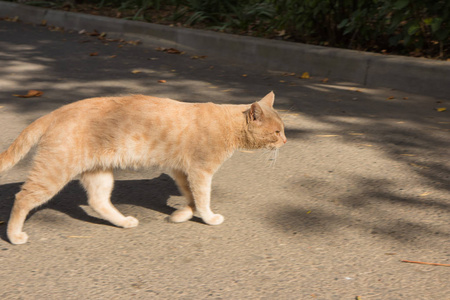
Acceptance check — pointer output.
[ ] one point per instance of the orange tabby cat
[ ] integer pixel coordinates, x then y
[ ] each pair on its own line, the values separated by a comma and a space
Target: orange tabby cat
93, 136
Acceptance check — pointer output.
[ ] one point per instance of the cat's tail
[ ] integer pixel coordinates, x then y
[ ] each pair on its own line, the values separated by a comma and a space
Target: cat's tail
29, 137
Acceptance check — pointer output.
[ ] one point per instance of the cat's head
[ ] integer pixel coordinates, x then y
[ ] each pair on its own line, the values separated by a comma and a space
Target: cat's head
265, 129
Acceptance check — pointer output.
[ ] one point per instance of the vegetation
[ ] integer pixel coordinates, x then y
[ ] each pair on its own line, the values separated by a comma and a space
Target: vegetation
409, 27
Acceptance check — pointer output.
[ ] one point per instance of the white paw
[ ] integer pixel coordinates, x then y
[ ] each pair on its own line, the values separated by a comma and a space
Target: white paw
181, 215
216, 219
18, 238
130, 222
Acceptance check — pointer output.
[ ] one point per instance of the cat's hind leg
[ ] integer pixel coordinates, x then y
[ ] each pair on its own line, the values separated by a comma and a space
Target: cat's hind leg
99, 185
187, 212
44, 182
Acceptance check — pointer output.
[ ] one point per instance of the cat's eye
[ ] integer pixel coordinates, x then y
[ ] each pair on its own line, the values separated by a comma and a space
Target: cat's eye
277, 132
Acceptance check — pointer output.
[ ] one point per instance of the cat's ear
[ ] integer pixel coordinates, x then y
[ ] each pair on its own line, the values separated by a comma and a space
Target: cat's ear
255, 113
268, 99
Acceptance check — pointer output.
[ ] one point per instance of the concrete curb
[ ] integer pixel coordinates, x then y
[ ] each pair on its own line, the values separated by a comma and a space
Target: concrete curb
403, 73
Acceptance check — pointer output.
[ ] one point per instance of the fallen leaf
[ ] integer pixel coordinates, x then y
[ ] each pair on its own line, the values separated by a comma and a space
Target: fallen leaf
15, 19
366, 145
198, 56
56, 28
93, 54
113, 56
244, 75
44, 23
282, 81
425, 194
169, 50
2, 222
308, 212
31, 93
406, 154
405, 98
391, 97
356, 133
135, 43
162, 81
325, 80
305, 75
326, 135
136, 71
94, 33
441, 109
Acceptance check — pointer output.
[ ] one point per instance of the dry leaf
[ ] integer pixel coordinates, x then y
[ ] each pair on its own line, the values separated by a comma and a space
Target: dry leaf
162, 81
2, 222
244, 75
93, 54
326, 135
135, 43
325, 80
425, 194
44, 23
305, 75
441, 109
198, 56
56, 28
356, 133
169, 50
113, 56
94, 33
136, 71
391, 97
31, 93
282, 81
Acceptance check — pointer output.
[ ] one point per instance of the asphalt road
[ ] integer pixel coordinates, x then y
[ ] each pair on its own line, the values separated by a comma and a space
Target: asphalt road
362, 184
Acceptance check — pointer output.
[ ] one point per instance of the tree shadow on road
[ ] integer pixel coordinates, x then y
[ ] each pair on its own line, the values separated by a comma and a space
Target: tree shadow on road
149, 194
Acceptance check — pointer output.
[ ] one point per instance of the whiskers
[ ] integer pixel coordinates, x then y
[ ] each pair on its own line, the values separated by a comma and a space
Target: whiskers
271, 155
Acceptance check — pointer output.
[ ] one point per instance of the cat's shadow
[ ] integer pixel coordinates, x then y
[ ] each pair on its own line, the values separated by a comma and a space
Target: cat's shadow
149, 193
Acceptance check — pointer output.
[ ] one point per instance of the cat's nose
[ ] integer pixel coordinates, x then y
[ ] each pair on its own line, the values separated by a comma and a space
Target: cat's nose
285, 140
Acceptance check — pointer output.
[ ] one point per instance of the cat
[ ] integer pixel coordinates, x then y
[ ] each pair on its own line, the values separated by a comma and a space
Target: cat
92, 137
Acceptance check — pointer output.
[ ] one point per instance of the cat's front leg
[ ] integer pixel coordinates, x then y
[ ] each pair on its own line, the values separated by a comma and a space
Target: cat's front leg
187, 212
200, 184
